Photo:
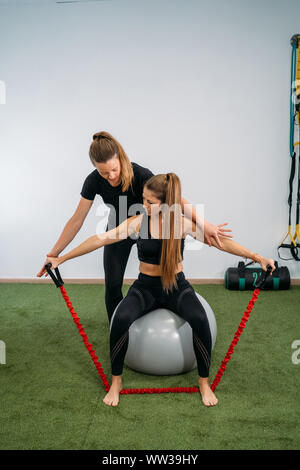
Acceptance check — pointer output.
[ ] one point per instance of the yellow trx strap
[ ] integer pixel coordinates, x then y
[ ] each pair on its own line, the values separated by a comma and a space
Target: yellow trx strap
294, 245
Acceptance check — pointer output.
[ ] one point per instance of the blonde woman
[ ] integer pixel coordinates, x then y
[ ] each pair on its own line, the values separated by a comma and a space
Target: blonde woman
161, 282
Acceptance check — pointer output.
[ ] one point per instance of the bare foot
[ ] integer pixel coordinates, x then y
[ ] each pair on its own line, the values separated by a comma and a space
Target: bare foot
112, 397
208, 396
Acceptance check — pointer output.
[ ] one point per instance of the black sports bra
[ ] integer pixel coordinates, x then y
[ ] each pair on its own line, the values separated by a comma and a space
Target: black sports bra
149, 248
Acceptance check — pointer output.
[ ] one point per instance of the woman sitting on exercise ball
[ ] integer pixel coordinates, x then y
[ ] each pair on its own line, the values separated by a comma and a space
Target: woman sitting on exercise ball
160, 233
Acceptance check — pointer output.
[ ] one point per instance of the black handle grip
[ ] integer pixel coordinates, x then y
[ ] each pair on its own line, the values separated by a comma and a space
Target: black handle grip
57, 280
263, 277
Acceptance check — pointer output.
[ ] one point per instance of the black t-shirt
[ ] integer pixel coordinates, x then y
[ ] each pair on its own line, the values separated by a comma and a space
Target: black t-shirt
113, 196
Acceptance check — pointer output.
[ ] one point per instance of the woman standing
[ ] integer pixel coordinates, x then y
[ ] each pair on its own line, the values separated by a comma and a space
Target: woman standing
161, 282
115, 176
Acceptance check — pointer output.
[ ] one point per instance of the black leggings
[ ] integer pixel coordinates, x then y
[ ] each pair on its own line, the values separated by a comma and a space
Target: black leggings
115, 259
146, 294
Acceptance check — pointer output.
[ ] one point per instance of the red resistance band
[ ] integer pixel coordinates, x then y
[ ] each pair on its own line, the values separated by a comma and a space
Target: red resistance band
126, 391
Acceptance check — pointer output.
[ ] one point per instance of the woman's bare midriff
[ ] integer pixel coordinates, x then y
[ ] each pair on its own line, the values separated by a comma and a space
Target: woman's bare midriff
154, 269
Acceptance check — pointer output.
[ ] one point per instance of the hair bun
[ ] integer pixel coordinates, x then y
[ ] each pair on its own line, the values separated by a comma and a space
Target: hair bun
98, 136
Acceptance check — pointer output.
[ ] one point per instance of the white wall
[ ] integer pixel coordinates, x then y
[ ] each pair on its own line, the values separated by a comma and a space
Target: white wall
196, 87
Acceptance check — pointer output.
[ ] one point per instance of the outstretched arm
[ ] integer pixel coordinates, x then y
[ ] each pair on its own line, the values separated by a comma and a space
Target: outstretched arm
229, 246
210, 231
234, 248
124, 230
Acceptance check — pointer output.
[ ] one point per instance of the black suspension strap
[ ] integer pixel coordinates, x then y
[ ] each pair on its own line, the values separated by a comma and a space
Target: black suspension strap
294, 244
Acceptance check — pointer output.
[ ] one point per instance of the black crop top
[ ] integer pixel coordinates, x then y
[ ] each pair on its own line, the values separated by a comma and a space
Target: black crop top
149, 248
114, 196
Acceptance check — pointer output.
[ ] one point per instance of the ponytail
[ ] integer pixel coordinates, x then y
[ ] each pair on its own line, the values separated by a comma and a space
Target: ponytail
103, 148
167, 188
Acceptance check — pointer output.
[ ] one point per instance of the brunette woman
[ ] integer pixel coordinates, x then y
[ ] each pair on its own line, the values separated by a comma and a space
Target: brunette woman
160, 233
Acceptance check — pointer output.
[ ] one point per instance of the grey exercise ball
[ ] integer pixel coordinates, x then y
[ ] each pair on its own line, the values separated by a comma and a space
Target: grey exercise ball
161, 342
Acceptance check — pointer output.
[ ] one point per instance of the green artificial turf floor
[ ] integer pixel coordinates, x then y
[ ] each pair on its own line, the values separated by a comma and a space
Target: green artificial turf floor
51, 394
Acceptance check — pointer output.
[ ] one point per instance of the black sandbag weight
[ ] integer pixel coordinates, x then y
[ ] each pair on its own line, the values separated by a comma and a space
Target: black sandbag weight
247, 278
